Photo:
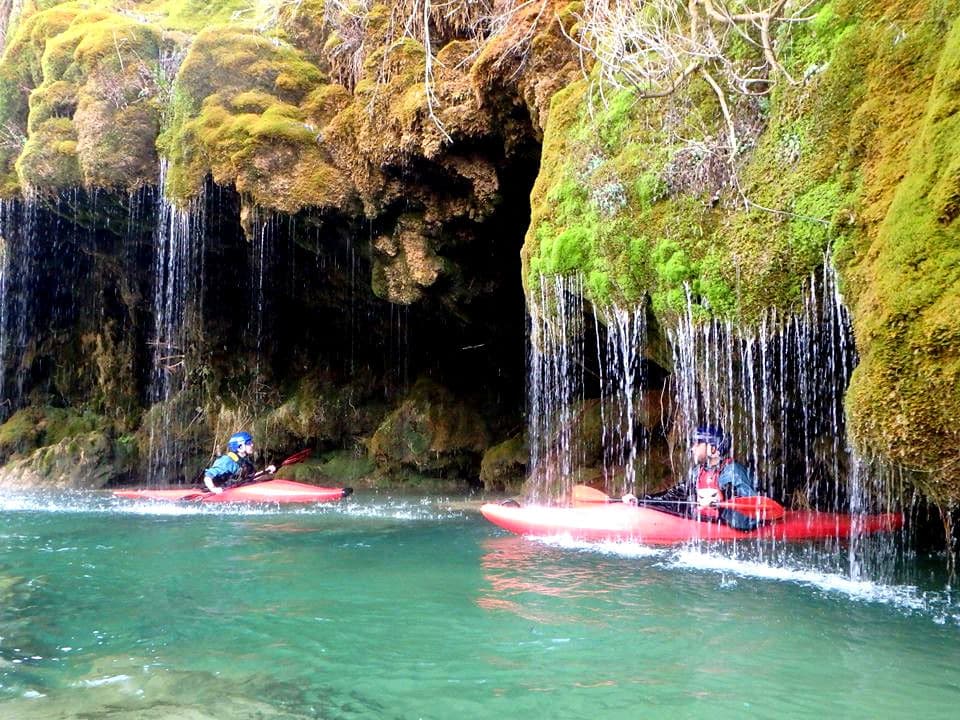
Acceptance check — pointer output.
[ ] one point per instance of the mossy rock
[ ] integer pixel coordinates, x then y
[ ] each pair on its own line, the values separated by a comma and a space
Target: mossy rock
238, 117
37, 426
904, 278
341, 468
49, 160
323, 412
504, 466
87, 460
95, 88
431, 433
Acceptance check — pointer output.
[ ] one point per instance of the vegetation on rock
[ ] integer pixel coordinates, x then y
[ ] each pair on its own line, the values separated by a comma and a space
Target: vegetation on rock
707, 164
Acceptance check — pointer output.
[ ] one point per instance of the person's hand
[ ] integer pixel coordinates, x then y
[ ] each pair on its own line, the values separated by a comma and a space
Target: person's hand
707, 497
270, 469
629, 499
217, 490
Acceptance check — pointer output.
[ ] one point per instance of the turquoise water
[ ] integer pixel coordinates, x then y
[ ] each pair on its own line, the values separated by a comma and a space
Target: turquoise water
384, 607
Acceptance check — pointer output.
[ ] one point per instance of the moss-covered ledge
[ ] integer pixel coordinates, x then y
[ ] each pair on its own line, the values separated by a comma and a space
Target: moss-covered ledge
82, 91
857, 159
904, 272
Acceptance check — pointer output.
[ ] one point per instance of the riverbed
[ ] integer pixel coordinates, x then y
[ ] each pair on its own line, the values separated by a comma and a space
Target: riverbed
391, 606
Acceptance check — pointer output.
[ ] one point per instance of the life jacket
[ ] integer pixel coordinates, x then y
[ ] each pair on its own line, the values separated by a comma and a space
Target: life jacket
246, 467
708, 484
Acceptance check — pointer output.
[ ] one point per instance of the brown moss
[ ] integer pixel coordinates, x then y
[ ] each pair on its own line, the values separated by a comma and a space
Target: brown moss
530, 59
504, 466
404, 262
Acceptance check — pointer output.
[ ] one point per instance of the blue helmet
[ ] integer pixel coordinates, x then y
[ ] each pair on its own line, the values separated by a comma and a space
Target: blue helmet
713, 435
237, 440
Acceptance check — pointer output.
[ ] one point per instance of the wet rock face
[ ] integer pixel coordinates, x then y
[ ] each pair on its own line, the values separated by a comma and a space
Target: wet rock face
89, 460
432, 434
504, 466
286, 338
404, 263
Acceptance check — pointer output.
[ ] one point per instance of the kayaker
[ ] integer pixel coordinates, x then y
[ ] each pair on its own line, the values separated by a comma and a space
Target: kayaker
234, 465
715, 477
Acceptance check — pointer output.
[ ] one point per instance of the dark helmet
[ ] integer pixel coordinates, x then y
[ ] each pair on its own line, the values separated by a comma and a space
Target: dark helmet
238, 439
713, 435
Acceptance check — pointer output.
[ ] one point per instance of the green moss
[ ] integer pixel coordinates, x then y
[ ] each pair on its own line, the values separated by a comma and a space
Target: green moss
36, 427
906, 281
195, 15
238, 116
85, 63
603, 206
49, 158
346, 466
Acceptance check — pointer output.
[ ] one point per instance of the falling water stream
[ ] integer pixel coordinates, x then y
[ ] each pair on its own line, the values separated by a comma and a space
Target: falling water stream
621, 380
4, 275
177, 278
556, 383
20, 295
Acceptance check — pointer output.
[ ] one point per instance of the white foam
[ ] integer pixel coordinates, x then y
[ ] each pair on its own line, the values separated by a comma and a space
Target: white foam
904, 597
939, 606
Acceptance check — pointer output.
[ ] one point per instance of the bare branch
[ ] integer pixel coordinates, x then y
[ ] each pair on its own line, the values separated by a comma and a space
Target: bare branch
725, 109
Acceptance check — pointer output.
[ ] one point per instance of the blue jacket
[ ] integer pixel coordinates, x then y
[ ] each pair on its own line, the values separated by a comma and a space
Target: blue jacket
735, 480
228, 466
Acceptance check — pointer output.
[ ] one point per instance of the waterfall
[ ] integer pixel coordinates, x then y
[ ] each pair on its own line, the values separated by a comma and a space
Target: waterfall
778, 389
621, 381
264, 231
18, 271
555, 392
177, 273
5, 212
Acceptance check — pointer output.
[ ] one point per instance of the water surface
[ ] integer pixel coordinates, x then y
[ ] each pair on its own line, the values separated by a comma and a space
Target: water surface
393, 607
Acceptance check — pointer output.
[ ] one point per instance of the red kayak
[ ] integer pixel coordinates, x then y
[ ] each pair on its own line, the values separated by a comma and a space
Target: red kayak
642, 524
269, 491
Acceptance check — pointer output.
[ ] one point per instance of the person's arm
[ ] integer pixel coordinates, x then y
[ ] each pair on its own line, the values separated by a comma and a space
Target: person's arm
221, 466
736, 481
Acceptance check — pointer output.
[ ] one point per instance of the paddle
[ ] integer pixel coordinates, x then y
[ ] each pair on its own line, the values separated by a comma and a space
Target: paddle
292, 460
756, 505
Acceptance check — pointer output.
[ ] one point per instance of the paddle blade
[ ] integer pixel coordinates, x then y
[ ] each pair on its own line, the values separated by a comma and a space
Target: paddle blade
758, 506
587, 494
296, 457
